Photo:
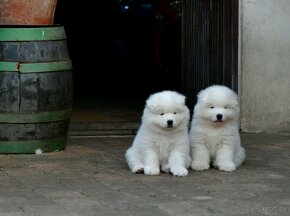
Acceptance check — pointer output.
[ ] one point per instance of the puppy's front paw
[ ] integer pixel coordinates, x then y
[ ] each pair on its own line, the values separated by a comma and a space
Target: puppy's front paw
179, 171
151, 170
138, 169
226, 166
196, 165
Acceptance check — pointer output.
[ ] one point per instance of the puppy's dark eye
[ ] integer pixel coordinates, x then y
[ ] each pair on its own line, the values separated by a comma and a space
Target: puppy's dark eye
212, 107
225, 107
175, 113
161, 114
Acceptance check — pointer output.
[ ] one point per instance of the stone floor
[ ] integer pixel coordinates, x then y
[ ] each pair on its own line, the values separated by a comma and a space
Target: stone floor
90, 177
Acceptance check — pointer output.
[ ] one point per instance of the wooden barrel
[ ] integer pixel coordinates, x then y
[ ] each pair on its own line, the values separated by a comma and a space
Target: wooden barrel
36, 89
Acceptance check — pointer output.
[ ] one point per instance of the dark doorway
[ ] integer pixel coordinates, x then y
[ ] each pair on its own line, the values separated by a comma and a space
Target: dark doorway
122, 51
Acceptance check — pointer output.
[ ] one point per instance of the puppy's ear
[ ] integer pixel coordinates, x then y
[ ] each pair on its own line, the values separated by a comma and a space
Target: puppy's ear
235, 97
200, 95
151, 107
149, 103
181, 99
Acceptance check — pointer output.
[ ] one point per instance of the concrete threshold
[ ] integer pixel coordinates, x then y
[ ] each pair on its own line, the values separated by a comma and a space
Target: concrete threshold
103, 128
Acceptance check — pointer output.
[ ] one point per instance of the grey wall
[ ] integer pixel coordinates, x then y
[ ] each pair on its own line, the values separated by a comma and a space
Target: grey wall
264, 70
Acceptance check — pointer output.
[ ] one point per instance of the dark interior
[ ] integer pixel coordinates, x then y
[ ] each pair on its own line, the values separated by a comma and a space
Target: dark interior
122, 51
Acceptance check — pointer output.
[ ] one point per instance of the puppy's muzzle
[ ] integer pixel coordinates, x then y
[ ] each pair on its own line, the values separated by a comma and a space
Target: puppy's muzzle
219, 118
169, 123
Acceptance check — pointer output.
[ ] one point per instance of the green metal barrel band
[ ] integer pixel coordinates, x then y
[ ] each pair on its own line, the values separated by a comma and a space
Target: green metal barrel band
35, 118
29, 146
32, 34
35, 67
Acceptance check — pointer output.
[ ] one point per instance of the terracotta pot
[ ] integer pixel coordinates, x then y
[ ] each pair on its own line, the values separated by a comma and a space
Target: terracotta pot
27, 12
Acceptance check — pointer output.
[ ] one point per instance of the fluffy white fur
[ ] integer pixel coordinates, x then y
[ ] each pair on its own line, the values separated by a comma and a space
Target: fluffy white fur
162, 140
214, 133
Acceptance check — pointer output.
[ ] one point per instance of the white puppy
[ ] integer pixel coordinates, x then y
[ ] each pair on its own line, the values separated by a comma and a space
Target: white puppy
162, 139
214, 133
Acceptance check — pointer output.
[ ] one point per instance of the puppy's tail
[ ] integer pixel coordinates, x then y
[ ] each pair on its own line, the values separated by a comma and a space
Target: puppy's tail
240, 156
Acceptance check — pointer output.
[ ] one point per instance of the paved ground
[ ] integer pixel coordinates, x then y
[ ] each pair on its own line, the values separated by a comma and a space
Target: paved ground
90, 177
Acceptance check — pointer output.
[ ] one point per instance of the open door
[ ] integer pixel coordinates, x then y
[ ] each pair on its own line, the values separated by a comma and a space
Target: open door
209, 45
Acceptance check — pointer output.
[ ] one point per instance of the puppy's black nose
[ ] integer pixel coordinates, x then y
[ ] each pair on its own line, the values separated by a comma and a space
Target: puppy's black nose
169, 122
219, 116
